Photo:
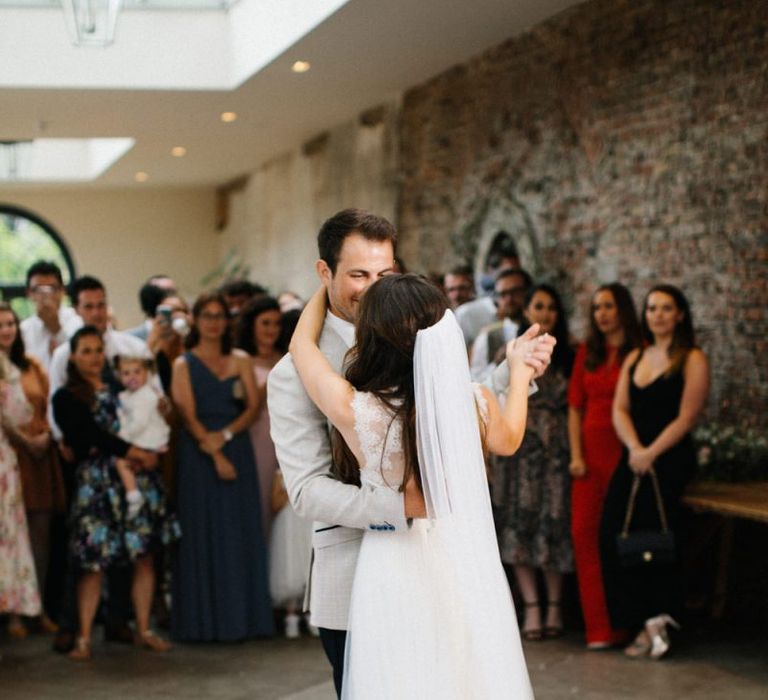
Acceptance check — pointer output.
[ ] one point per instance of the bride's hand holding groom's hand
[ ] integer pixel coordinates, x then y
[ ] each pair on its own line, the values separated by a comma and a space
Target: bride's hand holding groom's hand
531, 350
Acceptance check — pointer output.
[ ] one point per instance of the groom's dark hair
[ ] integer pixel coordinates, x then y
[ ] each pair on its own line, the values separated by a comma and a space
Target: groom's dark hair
347, 222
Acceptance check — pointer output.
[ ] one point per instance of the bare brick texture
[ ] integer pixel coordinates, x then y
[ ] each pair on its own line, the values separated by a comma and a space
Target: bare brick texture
622, 139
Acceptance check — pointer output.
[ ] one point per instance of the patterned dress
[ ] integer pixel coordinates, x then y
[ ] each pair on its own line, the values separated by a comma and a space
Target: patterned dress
102, 536
18, 582
531, 489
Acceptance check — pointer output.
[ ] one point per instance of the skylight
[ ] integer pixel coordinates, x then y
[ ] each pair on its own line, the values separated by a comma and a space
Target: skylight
59, 160
159, 44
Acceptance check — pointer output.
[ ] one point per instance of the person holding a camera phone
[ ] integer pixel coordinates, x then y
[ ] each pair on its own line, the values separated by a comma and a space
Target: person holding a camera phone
170, 327
52, 324
151, 295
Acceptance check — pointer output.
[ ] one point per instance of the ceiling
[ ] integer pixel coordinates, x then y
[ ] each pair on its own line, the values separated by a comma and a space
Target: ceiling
366, 53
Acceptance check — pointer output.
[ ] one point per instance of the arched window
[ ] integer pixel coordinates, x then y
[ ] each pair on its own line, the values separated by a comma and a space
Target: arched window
25, 238
502, 250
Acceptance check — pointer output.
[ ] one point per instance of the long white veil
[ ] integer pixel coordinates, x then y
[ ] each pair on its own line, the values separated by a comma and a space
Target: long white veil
458, 503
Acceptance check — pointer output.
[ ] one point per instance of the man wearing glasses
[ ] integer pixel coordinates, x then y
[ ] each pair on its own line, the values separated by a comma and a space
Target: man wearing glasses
509, 293
52, 324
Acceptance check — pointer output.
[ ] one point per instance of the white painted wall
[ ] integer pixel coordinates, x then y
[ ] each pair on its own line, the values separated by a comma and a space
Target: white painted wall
124, 236
274, 221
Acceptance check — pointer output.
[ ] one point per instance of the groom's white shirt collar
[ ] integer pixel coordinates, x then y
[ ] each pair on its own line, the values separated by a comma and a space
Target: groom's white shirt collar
344, 328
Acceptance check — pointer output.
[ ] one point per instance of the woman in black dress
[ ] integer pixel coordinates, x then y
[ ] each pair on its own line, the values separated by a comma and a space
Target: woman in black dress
662, 390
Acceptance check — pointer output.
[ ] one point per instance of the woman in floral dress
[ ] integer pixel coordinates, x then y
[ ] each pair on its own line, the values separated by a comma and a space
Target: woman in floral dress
531, 489
42, 484
86, 411
18, 583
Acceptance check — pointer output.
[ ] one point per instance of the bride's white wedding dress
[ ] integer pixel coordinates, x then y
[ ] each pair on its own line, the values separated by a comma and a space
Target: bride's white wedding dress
431, 615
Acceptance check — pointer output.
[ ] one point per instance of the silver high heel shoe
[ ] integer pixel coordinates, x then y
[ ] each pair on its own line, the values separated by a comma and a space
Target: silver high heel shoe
656, 628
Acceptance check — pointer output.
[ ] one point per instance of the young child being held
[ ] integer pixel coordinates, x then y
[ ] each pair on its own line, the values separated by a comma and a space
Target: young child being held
141, 422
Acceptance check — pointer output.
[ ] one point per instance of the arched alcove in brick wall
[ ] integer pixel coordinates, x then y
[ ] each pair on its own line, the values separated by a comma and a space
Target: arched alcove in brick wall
478, 234
617, 140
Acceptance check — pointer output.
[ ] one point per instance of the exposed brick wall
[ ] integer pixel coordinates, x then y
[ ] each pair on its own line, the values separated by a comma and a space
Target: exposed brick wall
622, 139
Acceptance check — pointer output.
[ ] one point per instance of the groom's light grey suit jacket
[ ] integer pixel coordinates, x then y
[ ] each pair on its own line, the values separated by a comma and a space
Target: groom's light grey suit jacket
341, 511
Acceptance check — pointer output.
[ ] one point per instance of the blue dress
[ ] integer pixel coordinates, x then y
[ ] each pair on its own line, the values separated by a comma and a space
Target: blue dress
221, 581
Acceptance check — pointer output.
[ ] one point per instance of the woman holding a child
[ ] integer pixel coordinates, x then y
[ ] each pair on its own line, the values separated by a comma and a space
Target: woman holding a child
85, 409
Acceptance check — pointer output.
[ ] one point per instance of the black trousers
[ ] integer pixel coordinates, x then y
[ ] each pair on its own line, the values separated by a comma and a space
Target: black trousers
334, 642
635, 594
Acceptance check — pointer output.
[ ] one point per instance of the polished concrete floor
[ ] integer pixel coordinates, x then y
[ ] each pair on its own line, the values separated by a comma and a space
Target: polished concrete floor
710, 666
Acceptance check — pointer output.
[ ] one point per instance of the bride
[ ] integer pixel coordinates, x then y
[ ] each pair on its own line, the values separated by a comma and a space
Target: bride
431, 614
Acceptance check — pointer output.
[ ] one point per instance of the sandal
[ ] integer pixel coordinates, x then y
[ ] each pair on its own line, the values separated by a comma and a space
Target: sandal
152, 642
16, 629
554, 631
81, 651
640, 646
532, 635
48, 626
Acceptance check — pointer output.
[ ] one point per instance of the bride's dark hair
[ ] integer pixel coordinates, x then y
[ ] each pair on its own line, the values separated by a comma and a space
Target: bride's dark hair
391, 312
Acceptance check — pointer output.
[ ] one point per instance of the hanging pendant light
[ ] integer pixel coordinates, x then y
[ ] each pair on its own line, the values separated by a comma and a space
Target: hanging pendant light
15, 160
91, 22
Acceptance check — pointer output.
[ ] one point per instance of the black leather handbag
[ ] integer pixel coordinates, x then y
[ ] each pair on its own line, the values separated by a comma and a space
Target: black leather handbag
641, 548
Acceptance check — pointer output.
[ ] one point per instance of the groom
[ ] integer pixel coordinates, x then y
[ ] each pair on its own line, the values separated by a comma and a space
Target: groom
356, 249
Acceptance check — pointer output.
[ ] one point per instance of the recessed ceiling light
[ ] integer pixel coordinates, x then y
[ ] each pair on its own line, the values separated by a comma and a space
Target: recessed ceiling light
228, 117
141, 176
178, 151
301, 67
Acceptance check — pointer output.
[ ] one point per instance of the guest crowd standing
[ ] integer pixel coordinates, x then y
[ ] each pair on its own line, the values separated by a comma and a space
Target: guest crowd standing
623, 408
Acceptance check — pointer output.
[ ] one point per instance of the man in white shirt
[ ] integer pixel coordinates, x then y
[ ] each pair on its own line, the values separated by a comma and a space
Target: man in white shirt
52, 324
475, 315
90, 299
487, 350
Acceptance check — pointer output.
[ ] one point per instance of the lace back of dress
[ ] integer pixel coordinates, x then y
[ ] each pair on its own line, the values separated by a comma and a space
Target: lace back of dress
380, 434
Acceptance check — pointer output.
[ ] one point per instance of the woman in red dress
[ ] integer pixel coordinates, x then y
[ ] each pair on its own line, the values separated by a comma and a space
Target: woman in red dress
595, 447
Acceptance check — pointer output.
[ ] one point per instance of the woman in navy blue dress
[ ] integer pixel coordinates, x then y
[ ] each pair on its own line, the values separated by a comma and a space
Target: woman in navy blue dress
221, 585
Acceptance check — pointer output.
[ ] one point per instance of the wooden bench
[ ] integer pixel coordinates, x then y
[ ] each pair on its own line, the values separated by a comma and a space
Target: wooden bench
748, 500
